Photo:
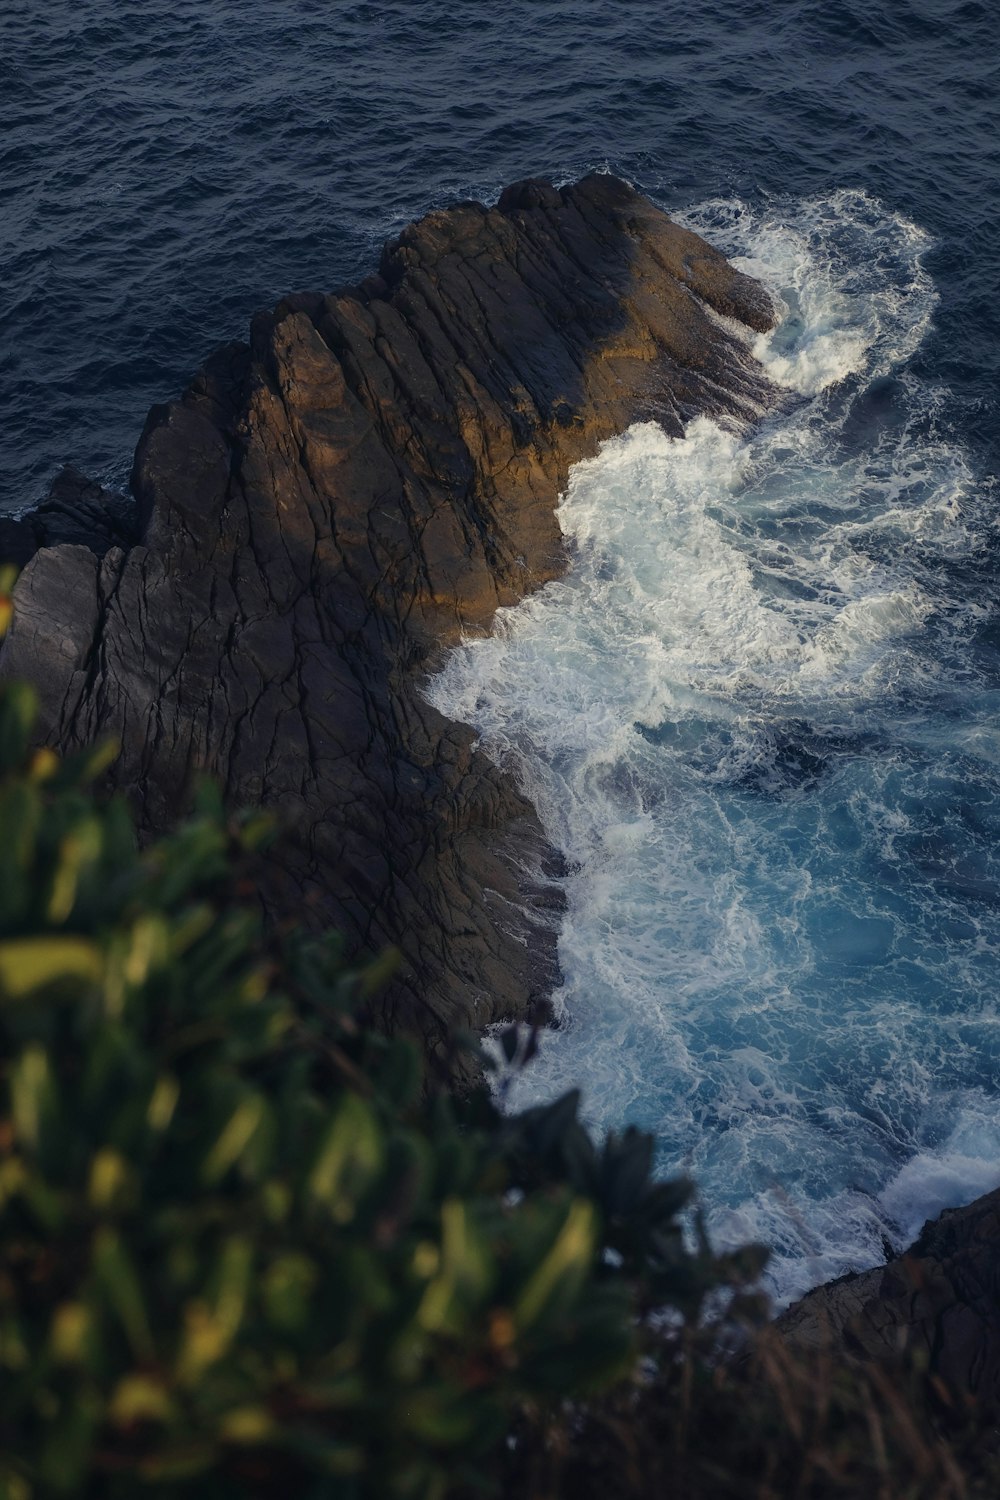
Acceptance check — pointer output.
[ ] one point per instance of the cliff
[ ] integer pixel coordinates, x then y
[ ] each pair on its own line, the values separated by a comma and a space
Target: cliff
326, 508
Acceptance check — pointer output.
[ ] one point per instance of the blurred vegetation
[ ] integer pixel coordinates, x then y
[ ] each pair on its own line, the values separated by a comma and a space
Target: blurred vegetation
245, 1248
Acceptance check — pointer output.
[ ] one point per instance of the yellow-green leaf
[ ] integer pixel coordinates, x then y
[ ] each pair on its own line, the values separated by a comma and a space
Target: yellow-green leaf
349, 1157
566, 1262
465, 1273
120, 1283
26, 964
247, 1424
33, 1095
236, 1136
139, 1398
110, 1178
71, 1328
79, 849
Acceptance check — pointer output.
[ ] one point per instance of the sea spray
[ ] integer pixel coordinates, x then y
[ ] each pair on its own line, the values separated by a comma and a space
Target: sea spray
750, 716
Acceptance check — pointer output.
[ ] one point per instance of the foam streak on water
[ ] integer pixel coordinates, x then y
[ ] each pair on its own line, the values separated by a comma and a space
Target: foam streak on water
749, 716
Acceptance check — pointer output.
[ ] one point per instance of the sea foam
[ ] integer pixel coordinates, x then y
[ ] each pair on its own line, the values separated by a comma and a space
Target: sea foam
749, 716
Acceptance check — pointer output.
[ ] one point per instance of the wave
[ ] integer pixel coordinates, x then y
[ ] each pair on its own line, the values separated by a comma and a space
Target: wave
750, 715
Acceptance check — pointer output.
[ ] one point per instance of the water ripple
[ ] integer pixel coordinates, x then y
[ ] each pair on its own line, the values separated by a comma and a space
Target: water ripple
164, 171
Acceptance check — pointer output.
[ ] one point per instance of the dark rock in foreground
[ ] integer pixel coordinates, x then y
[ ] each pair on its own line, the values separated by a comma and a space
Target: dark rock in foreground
327, 507
940, 1301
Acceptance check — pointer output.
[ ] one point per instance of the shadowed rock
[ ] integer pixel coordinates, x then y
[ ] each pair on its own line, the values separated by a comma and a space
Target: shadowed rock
940, 1300
326, 508
75, 510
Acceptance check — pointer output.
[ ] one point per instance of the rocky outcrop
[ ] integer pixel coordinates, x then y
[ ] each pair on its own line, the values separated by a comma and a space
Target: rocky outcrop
327, 507
940, 1302
75, 510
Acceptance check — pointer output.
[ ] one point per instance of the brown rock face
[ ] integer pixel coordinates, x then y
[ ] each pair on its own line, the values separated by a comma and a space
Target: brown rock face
941, 1299
327, 507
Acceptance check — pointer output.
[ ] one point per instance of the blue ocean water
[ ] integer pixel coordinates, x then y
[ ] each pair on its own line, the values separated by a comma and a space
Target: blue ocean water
760, 712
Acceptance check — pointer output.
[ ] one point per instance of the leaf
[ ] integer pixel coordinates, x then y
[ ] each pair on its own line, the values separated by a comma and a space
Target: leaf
34, 1102
247, 1425
149, 945
120, 1284
287, 1290
14, 1486
66, 1457
28, 964
94, 761
72, 1325
465, 1275
79, 850
43, 765
628, 1161
20, 816
349, 1156
18, 710
110, 1179
665, 1200
565, 1265
550, 1123
139, 1398
236, 1136
162, 1102
580, 1160
508, 1042
211, 1324
233, 1283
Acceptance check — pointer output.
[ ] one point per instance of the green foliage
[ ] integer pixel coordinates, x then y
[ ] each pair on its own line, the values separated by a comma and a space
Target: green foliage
243, 1247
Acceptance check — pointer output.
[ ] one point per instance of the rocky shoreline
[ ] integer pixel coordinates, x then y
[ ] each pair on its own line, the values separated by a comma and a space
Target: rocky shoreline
322, 513
937, 1304
326, 509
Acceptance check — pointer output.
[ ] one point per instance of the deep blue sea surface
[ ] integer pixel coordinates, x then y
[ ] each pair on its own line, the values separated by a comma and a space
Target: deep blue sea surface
761, 713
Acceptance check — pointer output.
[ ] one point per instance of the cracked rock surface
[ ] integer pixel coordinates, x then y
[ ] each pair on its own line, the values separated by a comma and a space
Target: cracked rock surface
329, 506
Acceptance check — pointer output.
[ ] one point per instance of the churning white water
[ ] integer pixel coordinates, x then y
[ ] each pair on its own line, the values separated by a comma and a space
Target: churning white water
754, 716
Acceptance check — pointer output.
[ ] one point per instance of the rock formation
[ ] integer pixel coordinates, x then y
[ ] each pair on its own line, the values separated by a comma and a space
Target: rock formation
327, 507
75, 510
940, 1300
321, 513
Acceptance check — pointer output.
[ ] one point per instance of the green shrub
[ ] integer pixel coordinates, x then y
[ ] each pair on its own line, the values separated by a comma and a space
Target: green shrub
243, 1248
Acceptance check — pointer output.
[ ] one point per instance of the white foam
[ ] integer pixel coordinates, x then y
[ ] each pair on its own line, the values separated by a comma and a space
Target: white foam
848, 277
725, 715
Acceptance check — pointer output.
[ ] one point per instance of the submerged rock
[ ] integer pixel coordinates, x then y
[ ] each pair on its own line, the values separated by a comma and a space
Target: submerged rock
329, 506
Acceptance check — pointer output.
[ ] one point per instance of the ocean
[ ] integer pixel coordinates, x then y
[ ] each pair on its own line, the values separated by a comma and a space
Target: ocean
759, 714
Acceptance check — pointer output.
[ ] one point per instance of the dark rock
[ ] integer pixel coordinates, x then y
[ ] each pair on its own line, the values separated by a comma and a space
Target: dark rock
939, 1301
18, 540
77, 511
329, 506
